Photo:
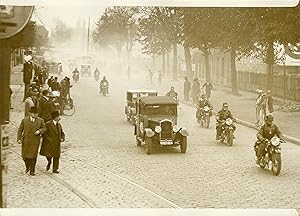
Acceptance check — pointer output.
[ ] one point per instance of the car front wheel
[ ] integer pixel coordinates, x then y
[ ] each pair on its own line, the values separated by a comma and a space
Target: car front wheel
149, 146
183, 144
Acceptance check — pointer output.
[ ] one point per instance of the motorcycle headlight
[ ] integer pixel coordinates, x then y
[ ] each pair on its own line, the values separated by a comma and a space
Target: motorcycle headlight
206, 108
228, 121
175, 128
157, 129
133, 111
275, 141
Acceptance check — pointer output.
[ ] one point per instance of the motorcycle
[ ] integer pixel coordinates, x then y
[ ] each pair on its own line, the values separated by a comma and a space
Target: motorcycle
76, 77
227, 131
104, 89
272, 156
203, 116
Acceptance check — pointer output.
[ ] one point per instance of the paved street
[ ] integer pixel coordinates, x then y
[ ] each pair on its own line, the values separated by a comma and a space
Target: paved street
210, 174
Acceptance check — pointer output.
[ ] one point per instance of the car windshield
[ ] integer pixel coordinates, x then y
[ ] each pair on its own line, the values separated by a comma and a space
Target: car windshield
162, 110
134, 96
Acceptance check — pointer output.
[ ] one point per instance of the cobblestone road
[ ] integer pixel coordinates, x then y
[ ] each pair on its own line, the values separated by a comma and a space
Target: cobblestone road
210, 174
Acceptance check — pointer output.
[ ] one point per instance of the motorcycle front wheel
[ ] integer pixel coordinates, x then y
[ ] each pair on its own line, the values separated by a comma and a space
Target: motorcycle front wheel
276, 164
230, 137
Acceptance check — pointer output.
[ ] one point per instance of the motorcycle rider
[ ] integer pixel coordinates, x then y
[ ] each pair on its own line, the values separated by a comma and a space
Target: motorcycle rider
104, 80
265, 134
96, 74
221, 116
201, 104
172, 93
75, 74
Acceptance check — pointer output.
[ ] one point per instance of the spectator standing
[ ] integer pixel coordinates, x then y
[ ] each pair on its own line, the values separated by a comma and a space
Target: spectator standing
186, 88
195, 90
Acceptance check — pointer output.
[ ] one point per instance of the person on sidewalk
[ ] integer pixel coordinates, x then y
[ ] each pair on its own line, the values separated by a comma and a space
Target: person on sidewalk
186, 89
159, 79
262, 109
258, 101
51, 144
29, 135
208, 87
10, 93
221, 116
195, 90
265, 134
43, 99
270, 102
30, 101
49, 107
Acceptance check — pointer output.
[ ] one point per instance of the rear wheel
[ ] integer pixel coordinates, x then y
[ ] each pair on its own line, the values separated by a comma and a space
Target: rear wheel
149, 145
230, 137
276, 164
183, 145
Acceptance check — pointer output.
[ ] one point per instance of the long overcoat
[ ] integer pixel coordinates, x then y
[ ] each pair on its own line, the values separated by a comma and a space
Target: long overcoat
30, 141
51, 143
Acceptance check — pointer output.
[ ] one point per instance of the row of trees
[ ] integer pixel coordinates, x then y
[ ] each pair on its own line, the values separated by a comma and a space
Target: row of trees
240, 31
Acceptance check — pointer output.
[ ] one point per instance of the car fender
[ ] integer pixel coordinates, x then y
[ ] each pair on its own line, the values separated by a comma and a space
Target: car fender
149, 132
184, 132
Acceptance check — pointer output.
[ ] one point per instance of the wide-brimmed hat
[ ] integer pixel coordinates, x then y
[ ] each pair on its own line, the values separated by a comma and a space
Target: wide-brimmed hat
33, 110
55, 114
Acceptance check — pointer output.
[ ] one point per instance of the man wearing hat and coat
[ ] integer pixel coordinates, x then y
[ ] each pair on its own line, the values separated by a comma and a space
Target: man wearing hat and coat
51, 142
49, 107
29, 135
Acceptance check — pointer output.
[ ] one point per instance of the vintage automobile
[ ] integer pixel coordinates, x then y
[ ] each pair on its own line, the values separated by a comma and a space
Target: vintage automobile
85, 70
132, 96
156, 124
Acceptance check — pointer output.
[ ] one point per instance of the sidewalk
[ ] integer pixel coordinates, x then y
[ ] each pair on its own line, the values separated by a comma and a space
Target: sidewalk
242, 106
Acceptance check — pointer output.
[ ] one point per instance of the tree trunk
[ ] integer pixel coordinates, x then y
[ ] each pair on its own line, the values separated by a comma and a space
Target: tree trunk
207, 68
234, 85
174, 61
270, 63
168, 62
188, 61
163, 63
119, 48
153, 63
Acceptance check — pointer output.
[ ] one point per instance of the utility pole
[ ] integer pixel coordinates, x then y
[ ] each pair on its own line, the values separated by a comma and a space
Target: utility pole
83, 35
4, 115
88, 38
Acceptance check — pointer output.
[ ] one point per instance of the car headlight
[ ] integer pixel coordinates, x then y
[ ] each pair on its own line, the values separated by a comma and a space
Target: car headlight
175, 128
157, 129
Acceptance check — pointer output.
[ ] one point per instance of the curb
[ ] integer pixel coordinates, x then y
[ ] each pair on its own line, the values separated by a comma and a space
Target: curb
251, 125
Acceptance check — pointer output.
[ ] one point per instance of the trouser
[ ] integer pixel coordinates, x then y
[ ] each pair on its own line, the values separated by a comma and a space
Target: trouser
55, 162
262, 115
30, 164
219, 128
257, 114
261, 149
26, 90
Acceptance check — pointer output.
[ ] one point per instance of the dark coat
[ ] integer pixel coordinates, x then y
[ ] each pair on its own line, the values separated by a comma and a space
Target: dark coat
30, 141
52, 139
41, 103
187, 87
48, 108
270, 104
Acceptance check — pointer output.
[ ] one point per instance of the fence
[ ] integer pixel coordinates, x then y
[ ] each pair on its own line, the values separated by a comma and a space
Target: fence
252, 81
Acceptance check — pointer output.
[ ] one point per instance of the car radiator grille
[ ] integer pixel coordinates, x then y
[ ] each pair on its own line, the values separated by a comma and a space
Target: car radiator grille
166, 130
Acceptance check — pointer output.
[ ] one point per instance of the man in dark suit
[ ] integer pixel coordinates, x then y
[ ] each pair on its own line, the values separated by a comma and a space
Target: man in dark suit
51, 142
49, 107
42, 100
29, 135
